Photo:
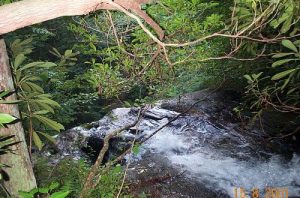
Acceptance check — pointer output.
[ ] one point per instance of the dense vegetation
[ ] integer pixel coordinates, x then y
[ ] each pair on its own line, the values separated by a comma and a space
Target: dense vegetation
72, 70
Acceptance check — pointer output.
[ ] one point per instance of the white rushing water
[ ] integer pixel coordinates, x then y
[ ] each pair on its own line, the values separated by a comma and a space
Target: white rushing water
220, 172
216, 155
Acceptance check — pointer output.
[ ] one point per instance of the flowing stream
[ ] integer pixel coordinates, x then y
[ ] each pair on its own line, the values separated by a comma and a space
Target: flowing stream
208, 151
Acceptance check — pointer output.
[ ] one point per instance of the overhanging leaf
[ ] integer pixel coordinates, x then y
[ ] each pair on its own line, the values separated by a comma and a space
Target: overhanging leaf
19, 60
290, 45
280, 55
9, 101
282, 74
51, 123
49, 137
6, 118
4, 93
248, 77
281, 62
37, 141
38, 64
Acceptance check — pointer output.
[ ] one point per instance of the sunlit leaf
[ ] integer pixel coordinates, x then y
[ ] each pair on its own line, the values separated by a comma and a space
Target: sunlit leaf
248, 77
62, 194
282, 74
290, 45
281, 62
6, 118
280, 55
47, 136
51, 123
19, 60
38, 64
37, 141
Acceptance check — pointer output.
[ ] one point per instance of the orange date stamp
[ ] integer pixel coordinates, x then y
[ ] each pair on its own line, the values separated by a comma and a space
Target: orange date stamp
267, 193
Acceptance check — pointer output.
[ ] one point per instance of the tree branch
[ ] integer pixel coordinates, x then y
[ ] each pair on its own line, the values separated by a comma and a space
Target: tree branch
28, 12
89, 183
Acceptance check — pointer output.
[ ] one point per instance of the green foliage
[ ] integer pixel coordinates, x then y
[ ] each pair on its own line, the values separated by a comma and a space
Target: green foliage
136, 148
71, 174
116, 67
35, 104
3, 2
288, 75
5, 119
50, 191
280, 15
68, 173
109, 184
290, 10
281, 90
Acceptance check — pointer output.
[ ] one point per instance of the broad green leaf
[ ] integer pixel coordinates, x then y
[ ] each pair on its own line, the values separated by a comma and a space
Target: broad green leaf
42, 96
55, 52
280, 55
4, 93
38, 64
26, 41
9, 101
256, 76
49, 137
5, 141
286, 82
54, 185
68, 53
37, 141
51, 123
24, 194
248, 77
291, 91
93, 47
290, 45
19, 60
281, 62
282, 74
61, 194
44, 106
6, 118
49, 102
42, 112
43, 190
18, 75
286, 25
30, 78
34, 87
33, 64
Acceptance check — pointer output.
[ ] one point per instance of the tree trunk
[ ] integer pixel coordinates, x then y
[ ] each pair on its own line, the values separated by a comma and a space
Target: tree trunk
24, 13
19, 173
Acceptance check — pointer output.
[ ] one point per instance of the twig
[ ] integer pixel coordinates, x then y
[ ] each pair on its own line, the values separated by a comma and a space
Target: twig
89, 183
116, 35
128, 163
